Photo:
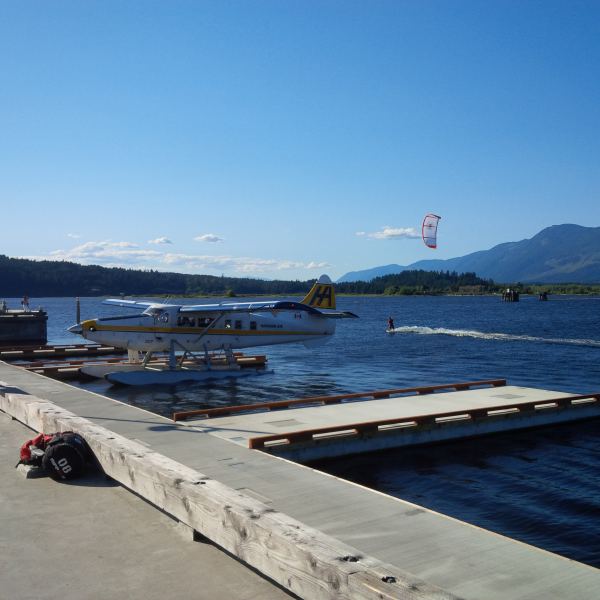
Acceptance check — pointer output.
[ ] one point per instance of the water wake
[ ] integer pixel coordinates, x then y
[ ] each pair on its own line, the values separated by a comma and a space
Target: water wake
507, 337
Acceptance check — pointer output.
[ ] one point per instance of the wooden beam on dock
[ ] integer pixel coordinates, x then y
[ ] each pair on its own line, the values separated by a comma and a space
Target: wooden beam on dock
324, 400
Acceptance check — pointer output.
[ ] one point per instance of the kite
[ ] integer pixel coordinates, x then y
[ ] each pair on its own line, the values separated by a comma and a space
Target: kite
429, 230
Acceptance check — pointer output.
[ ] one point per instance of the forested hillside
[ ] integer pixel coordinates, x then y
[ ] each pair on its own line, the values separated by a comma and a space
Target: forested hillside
418, 282
20, 276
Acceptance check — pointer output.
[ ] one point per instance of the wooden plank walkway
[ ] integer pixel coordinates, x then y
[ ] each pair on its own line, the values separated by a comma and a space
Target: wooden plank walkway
464, 560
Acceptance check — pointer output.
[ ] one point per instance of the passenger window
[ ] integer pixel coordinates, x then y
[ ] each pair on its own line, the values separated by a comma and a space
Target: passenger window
228, 324
238, 324
252, 324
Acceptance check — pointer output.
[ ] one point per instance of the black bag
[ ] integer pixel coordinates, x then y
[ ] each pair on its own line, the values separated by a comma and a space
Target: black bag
66, 456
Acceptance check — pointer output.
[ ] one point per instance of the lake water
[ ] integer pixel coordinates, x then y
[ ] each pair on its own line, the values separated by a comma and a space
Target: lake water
540, 486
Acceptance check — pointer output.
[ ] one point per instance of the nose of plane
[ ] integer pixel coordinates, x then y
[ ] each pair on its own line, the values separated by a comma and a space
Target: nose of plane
76, 328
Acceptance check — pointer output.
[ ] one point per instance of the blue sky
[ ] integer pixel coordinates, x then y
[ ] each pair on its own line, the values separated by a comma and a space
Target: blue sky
258, 138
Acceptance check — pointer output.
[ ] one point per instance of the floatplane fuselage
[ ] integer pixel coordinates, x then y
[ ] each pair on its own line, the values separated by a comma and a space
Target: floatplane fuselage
223, 326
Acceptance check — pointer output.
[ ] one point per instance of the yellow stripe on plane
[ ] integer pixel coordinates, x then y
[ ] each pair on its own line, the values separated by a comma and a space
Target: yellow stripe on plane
191, 330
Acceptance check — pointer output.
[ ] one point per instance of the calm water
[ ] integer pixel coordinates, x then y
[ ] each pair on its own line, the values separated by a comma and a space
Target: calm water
542, 486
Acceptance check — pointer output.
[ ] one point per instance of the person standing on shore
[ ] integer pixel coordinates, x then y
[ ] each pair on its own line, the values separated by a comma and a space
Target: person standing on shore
25, 303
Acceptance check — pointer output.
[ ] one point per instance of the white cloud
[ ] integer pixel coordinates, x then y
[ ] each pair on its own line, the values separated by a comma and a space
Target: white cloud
75, 236
160, 240
392, 233
103, 252
208, 237
127, 254
236, 264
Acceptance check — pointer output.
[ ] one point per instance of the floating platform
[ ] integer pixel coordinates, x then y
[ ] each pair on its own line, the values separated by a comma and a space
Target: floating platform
324, 427
68, 362
318, 536
23, 352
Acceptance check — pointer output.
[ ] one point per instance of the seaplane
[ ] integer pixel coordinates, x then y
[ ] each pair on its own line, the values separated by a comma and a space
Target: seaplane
199, 331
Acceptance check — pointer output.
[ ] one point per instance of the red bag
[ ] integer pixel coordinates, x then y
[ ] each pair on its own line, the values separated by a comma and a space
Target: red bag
39, 441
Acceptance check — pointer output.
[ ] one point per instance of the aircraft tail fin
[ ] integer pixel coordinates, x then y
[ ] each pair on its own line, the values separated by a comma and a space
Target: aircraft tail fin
321, 295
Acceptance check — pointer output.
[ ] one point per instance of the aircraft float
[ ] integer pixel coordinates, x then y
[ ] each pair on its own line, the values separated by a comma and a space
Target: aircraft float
224, 326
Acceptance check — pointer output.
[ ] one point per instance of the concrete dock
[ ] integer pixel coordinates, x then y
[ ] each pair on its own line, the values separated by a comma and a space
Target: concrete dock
316, 535
94, 539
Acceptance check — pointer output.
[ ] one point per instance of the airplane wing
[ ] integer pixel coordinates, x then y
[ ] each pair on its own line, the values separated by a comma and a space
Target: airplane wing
232, 307
266, 305
129, 303
224, 307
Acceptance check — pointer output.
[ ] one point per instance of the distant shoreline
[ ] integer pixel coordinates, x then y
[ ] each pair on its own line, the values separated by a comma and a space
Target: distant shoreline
348, 295
65, 279
16, 301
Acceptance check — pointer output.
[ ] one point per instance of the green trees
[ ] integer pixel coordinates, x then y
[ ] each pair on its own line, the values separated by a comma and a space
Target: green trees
58, 278
19, 276
419, 282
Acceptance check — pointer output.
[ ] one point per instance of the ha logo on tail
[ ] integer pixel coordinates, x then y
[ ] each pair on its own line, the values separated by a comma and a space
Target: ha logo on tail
321, 295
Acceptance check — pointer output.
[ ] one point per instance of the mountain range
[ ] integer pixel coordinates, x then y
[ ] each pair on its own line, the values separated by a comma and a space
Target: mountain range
558, 254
